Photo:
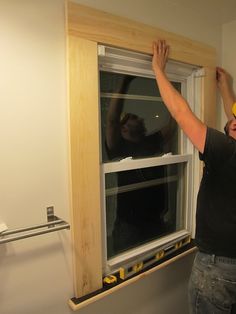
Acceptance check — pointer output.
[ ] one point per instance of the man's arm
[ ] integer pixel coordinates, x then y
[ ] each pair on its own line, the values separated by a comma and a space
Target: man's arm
224, 82
176, 104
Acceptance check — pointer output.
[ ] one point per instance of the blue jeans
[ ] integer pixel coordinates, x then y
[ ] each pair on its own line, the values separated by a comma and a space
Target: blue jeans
212, 285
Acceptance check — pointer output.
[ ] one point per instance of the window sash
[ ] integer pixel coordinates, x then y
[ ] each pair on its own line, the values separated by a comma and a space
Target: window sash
112, 264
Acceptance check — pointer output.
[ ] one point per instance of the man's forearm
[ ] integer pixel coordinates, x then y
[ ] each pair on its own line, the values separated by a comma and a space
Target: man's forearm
174, 101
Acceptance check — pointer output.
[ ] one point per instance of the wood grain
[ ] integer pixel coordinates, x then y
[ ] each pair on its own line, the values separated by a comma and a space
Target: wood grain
85, 173
102, 27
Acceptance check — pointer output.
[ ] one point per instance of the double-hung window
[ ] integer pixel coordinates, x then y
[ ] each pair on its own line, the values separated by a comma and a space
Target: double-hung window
146, 163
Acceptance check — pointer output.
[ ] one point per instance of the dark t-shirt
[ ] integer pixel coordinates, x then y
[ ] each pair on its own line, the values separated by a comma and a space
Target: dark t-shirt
216, 203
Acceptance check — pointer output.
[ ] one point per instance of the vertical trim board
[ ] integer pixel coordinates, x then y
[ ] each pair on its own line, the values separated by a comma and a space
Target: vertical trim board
86, 209
209, 97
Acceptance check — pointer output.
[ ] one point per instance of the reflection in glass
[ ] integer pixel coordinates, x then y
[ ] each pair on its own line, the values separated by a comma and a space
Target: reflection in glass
142, 205
134, 120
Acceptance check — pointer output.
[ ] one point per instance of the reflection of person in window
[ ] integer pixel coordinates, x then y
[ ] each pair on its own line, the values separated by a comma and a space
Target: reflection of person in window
127, 135
139, 215
212, 286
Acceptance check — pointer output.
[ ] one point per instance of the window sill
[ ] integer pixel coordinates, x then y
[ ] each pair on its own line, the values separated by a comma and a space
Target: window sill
78, 303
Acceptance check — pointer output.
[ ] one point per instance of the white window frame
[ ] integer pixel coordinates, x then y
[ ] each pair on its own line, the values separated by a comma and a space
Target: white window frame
126, 62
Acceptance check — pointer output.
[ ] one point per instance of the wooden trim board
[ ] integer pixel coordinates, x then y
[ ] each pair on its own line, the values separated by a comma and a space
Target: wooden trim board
102, 27
85, 172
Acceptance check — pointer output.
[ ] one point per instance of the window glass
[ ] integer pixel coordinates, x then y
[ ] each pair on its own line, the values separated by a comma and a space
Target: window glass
112, 82
142, 205
134, 120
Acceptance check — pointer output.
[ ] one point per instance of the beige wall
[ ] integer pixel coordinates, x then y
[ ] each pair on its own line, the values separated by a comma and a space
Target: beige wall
36, 274
229, 53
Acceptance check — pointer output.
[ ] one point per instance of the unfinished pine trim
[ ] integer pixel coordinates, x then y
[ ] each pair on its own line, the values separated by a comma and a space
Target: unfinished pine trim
85, 173
106, 28
209, 96
86, 27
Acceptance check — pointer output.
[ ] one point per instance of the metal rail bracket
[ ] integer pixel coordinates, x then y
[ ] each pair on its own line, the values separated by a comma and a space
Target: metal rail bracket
53, 224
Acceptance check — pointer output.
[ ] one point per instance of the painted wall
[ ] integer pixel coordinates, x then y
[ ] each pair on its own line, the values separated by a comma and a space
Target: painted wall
228, 53
36, 273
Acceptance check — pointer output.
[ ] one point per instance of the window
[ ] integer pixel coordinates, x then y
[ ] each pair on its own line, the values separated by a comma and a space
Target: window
86, 27
146, 165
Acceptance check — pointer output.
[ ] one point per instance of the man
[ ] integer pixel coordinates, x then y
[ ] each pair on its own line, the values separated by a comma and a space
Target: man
212, 287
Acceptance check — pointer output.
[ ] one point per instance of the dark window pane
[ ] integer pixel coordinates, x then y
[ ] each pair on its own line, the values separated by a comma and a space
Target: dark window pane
142, 205
111, 82
134, 120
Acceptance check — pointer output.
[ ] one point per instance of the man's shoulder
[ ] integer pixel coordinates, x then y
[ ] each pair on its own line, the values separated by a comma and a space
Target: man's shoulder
214, 135
218, 147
